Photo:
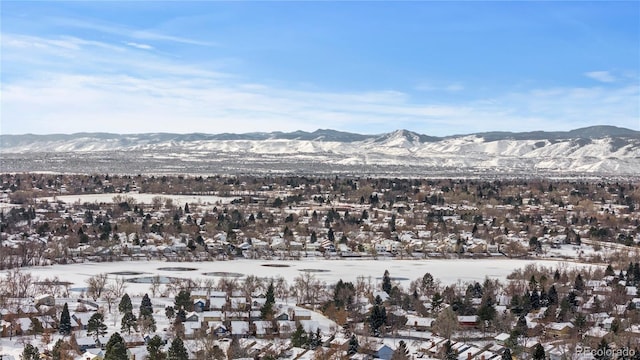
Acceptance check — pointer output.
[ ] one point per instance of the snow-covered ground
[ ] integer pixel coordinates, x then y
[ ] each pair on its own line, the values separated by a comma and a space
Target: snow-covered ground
140, 198
330, 271
576, 154
448, 271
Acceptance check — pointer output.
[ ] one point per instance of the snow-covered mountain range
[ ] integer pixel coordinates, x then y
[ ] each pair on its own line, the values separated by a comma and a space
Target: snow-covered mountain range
598, 150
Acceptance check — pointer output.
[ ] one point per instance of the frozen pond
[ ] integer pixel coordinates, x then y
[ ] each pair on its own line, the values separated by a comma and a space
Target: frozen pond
140, 198
330, 271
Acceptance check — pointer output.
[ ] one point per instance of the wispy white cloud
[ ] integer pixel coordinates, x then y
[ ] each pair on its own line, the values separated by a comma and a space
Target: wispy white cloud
71, 43
139, 46
602, 76
120, 30
439, 87
50, 54
146, 92
454, 87
71, 103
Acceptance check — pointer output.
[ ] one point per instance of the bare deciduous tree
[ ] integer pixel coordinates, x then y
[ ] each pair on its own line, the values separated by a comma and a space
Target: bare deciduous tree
281, 288
96, 285
109, 296
118, 286
251, 284
18, 284
446, 323
155, 285
228, 285
307, 288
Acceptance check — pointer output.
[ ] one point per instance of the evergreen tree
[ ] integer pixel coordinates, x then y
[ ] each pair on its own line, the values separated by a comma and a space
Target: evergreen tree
353, 345
553, 295
65, 321
183, 300
154, 348
36, 326
506, 355
146, 320
401, 353
565, 308
526, 302
521, 326
579, 283
177, 351
476, 290
534, 300
609, 271
96, 325
572, 298
169, 312
181, 316
125, 305
30, 353
59, 351
146, 308
386, 282
615, 326
415, 294
604, 351
116, 348
515, 305
538, 352
344, 239
544, 298
266, 313
392, 223
427, 282
436, 301
299, 337
331, 236
318, 338
314, 340
486, 311
128, 322
448, 353
580, 321
377, 318
343, 294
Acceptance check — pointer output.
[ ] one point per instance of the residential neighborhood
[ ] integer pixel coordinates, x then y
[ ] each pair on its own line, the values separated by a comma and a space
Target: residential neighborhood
576, 298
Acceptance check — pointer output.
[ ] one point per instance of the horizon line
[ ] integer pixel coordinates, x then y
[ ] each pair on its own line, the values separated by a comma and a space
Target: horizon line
320, 129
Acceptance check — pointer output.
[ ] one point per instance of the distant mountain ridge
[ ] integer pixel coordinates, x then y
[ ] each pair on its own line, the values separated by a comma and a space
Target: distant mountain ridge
592, 132
605, 150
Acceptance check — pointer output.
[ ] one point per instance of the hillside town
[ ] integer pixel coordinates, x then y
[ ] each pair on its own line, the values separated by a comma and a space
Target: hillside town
538, 312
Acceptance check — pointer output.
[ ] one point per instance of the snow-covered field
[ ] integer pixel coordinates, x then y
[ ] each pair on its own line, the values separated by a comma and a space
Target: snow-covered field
330, 271
571, 153
140, 198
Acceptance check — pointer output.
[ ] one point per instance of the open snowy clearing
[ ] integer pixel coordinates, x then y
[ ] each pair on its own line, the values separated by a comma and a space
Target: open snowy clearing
140, 198
448, 271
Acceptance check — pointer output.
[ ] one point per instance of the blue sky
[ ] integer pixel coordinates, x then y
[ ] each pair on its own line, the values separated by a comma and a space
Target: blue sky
438, 68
